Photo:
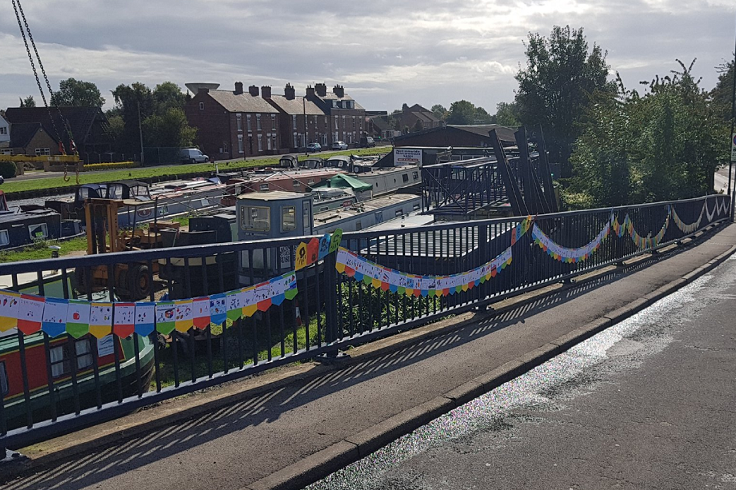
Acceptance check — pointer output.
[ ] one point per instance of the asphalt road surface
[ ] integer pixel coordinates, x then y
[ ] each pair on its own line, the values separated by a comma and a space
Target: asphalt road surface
648, 403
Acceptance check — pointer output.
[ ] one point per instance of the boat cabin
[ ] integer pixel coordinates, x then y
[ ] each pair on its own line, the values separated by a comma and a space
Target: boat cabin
312, 162
288, 161
274, 214
128, 189
339, 161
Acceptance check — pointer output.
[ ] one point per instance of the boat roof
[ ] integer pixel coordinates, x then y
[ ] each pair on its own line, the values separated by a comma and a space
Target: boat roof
342, 158
375, 204
130, 183
271, 196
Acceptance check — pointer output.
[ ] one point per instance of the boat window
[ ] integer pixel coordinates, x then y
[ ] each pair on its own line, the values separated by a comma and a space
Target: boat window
264, 187
288, 218
415, 207
297, 184
39, 231
255, 218
358, 226
399, 212
84, 354
3, 379
415, 175
4, 238
57, 361
405, 177
60, 357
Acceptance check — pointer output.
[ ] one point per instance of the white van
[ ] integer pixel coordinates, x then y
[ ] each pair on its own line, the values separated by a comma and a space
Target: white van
192, 155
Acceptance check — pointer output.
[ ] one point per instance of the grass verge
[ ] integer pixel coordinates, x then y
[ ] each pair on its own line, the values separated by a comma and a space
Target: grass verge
172, 171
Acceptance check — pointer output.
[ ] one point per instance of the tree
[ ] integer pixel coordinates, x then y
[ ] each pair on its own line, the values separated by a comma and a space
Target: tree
461, 112
169, 129
76, 93
439, 111
28, 102
722, 94
418, 126
481, 116
507, 114
664, 145
555, 86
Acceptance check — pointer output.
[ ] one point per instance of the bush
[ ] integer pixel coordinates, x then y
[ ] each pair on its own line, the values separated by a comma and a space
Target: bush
108, 166
8, 169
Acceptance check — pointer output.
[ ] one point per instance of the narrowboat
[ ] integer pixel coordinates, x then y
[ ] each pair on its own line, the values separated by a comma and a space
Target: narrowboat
163, 200
21, 226
53, 372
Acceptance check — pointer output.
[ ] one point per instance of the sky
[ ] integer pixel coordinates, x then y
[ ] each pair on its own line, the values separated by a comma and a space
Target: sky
385, 53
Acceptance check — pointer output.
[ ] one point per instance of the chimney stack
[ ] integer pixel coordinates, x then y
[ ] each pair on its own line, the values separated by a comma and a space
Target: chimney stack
253, 90
289, 92
321, 89
310, 92
338, 90
238, 88
266, 91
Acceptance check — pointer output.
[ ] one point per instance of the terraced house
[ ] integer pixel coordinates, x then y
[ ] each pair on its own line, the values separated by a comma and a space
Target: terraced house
238, 124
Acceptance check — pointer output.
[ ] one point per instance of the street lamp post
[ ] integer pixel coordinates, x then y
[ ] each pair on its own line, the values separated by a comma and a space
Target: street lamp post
731, 136
304, 111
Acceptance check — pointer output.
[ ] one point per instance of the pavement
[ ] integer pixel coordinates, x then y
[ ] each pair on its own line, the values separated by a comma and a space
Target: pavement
292, 426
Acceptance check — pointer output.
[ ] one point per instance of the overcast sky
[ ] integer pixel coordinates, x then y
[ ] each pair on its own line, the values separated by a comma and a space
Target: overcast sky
384, 52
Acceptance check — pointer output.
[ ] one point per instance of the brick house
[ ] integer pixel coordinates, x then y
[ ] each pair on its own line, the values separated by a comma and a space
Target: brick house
299, 117
234, 124
417, 117
31, 139
346, 118
88, 125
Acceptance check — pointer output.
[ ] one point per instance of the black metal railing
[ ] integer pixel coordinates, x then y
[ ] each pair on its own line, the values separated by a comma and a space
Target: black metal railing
57, 380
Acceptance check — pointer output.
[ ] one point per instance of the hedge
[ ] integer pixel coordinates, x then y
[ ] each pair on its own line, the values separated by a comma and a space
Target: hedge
109, 166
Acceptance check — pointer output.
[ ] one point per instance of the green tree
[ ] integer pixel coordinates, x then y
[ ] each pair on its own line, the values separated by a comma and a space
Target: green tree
134, 104
722, 94
461, 112
28, 102
663, 145
76, 93
439, 111
169, 129
507, 114
555, 86
418, 126
482, 117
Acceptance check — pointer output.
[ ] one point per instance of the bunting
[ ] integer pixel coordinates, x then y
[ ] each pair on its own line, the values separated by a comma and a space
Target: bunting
569, 255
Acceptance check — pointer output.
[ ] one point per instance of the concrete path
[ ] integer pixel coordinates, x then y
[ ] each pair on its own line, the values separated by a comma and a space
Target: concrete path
293, 426
647, 403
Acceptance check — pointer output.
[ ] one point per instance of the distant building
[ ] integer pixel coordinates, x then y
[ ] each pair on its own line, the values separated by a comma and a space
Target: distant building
234, 124
417, 117
346, 118
302, 121
88, 127
457, 136
4, 133
31, 139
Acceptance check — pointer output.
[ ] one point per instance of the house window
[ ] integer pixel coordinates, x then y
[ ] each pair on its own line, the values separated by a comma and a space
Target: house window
3, 130
288, 218
39, 231
247, 122
61, 357
260, 143
273, 140
293, 122
273, 121
255, 218
201, 106
258, 122
4, 389
239, 119
268, 141
296, 140
42, 152
240, 144
4, 238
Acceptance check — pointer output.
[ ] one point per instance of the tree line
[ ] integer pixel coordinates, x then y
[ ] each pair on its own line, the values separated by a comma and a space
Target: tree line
615, 145
157, 113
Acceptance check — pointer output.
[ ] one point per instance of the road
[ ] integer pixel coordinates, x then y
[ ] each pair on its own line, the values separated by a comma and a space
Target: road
720, 183
648, 403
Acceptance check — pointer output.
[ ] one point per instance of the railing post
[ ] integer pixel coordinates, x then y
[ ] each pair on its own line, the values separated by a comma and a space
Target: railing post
331, 298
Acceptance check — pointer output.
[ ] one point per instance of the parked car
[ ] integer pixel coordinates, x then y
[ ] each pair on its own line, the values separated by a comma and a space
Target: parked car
192, 155
312, 147
339, 145
367, 142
